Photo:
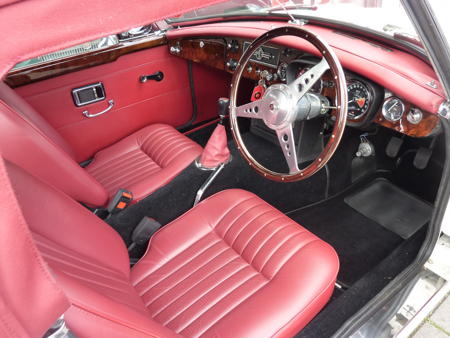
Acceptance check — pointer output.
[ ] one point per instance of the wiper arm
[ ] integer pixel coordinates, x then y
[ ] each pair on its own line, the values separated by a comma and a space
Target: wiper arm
286, 9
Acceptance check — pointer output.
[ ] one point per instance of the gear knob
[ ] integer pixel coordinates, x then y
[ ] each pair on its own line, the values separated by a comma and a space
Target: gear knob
223, 105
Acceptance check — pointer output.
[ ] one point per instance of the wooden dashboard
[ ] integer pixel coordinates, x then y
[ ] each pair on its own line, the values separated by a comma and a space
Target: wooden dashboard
224, 53
221, 53
42, 71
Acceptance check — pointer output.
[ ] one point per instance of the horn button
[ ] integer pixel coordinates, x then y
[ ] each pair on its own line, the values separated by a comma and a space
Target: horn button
279, 111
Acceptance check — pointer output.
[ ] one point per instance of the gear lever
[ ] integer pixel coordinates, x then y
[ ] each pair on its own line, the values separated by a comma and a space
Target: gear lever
223, 104
216, 153
216, 150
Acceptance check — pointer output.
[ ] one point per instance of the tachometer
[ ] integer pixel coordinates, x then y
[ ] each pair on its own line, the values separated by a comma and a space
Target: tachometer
358, 100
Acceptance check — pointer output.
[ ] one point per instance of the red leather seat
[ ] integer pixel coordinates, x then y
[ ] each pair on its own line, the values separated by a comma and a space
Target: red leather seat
141, 163
233, 266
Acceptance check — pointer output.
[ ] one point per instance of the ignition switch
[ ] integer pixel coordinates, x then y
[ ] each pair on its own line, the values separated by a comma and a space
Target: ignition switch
365, 148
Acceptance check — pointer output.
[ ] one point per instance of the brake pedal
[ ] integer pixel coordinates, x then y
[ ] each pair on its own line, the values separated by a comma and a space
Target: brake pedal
393, 147
422, 158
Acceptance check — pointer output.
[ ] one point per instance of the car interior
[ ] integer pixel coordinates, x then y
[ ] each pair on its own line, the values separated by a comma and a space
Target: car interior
170, 190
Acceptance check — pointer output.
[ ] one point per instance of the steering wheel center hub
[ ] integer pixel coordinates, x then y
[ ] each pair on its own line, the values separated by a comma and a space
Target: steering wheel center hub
283, 104
280, 106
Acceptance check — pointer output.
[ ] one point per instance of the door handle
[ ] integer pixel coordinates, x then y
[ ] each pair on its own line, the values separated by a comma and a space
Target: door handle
111, 105
158, 76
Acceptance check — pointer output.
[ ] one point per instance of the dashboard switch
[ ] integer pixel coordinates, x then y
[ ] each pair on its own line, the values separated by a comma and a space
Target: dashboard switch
231, 64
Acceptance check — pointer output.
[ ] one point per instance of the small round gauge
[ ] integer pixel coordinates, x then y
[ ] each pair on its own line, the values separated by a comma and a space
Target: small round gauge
281, 71
393, 109
359, 100
414, 116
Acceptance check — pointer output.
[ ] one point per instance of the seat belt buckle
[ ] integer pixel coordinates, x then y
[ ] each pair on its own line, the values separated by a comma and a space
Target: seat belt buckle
121, 200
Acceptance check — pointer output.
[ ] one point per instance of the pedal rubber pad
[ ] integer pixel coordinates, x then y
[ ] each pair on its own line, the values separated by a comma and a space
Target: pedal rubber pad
394, 146
422, 158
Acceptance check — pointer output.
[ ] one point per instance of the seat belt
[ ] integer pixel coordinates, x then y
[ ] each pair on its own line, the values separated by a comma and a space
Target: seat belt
121, 200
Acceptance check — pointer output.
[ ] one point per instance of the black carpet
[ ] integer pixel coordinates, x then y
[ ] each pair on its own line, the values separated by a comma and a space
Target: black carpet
370, 255
175, 198
343, 306
360, 242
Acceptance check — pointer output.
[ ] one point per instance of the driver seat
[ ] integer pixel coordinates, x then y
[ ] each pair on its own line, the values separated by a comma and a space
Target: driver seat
233, 266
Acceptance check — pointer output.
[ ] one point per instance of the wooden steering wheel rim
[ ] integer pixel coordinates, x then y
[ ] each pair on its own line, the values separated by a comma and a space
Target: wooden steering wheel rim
341, 98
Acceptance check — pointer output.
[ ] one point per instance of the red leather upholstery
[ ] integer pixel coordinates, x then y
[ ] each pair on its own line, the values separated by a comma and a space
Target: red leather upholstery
40, 23
144, 161
400, 72
235, 266
89, 260
136, 104
20, 106
232, 266
27, 140
216, 150
141, 163
30, 299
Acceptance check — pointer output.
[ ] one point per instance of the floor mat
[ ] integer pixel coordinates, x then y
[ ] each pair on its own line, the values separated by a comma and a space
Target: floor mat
391, 207
360, 242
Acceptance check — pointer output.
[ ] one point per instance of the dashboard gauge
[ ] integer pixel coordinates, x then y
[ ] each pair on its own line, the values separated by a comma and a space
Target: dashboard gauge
393, 109
358, 100
282, 70
414, 116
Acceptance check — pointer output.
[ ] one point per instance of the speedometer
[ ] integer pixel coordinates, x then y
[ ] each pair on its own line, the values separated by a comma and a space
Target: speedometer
358, 100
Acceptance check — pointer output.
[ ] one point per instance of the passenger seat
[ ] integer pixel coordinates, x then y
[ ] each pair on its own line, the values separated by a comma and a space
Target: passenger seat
140, 163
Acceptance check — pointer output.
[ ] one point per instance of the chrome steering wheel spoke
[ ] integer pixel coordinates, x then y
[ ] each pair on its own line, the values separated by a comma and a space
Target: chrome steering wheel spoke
287, 143
252, 110
284, 104
306, 81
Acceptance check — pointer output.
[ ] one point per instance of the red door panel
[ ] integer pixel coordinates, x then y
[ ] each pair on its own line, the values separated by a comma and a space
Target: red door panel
209, 84
136, 104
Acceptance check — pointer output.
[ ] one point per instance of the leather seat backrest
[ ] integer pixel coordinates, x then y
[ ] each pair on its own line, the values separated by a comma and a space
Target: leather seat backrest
29, 141
88, 258
30, 298
22, 107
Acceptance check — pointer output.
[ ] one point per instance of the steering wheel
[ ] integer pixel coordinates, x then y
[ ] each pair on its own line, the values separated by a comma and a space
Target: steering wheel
284, 104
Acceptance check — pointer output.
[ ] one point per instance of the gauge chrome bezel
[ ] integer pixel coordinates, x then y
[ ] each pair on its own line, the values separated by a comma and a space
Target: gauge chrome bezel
369, 98
414, 116
385, 113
